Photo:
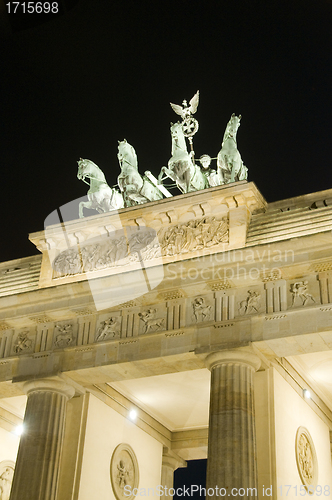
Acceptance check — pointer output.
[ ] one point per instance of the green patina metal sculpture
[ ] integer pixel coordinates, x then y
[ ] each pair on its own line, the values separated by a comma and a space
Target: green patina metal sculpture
182, 169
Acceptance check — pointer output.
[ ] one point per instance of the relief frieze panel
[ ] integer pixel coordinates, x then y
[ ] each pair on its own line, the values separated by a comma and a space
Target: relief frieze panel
270, 299
196, 234
122, 247
133, 244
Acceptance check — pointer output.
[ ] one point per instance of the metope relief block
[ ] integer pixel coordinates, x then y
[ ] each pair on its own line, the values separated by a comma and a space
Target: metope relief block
23, 342
251, 304
151, 320
300, 294
109, 329
64, 335
201, 310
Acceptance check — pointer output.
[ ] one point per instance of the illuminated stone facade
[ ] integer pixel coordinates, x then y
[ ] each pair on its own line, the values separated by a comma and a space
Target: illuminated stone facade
213, 297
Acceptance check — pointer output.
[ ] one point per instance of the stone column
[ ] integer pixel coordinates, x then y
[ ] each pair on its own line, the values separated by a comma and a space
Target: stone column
38, 458
232, 446
170, 463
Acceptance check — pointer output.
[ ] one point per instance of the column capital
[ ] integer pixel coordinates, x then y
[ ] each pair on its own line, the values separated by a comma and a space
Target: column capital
242, 356
172, 460
49, 385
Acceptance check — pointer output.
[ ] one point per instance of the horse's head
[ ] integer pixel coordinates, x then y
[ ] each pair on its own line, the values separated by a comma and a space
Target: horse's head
176, 130
177, 135
82, 164
233, 125
126, 154
85, 168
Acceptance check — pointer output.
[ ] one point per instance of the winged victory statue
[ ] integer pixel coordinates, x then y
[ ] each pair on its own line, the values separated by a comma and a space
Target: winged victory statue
186, 111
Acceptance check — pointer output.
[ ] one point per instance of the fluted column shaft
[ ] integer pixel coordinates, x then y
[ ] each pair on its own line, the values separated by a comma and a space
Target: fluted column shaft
232, 446
38, 458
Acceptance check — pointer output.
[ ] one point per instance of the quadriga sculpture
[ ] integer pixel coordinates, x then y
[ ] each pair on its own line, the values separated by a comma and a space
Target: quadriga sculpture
135, 188
101, 197
230, 164
181, 169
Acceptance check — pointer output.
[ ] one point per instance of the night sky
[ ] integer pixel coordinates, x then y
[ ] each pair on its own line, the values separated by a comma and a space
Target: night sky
74, 84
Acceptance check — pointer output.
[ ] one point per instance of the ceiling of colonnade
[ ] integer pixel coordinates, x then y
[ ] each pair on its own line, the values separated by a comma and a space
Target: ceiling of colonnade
180, 401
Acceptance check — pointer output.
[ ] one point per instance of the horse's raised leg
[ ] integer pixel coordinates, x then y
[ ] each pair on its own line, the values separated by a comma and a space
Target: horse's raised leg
83, 204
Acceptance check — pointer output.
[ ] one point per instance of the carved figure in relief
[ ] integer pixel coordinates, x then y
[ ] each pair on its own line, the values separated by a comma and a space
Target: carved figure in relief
68, 262
123, 474
181, 169
305, 459
202, 311
194, 235
150, 321
300, 289
108, 329
65, 335
101, 197
23, 343
110, 252
251, 303
6, 479
144, 246
135, 188
121, 251
230, 164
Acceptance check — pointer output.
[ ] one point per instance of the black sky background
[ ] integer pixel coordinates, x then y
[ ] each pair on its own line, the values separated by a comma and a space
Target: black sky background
106, 70
72, 85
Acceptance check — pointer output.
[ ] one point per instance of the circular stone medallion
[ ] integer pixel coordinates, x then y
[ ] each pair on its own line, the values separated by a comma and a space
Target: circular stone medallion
6, 478
306, 458
124, 472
